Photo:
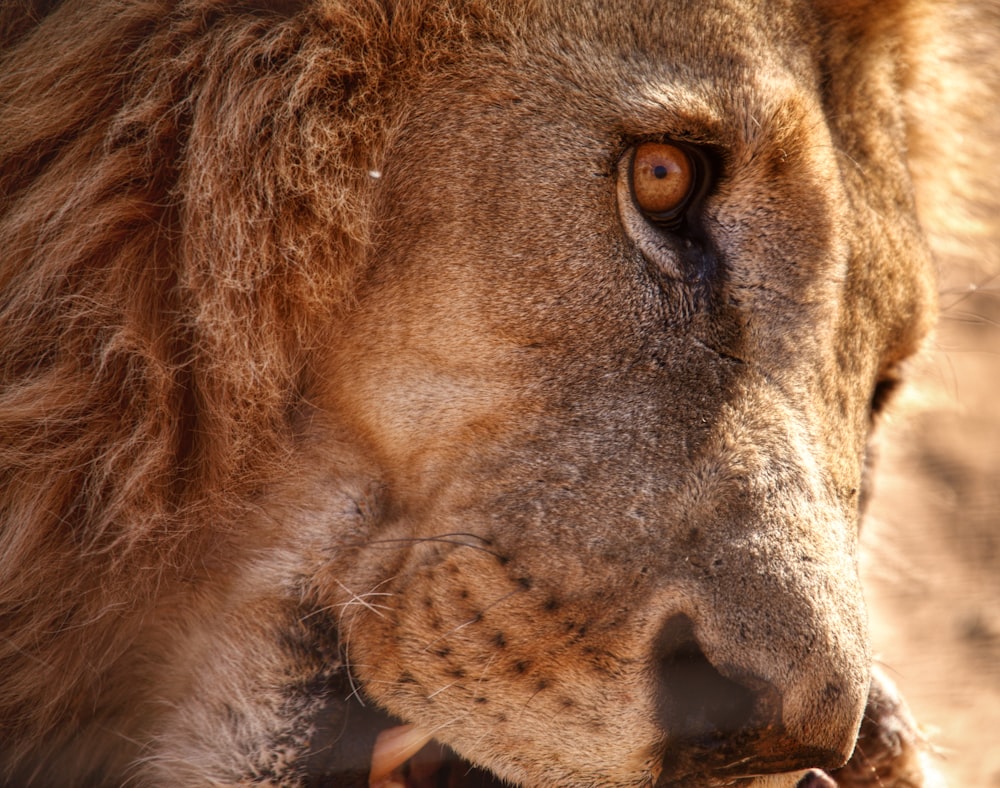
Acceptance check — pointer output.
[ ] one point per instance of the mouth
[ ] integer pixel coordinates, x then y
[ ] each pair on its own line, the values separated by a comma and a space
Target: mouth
353, 744
406, 757
356, 745
370, 749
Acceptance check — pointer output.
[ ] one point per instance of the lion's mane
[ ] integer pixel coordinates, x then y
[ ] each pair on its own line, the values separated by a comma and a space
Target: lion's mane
184, 203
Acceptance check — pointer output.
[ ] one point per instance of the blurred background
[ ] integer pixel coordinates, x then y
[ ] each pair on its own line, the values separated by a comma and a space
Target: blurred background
931, 541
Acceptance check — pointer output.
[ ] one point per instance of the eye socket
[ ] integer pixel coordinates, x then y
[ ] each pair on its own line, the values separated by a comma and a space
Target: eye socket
663, 179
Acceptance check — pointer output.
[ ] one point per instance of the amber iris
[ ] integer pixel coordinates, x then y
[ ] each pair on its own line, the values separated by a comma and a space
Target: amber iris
662, 179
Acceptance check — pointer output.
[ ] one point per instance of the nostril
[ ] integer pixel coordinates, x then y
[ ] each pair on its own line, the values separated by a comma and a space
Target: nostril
724, 724
697, 703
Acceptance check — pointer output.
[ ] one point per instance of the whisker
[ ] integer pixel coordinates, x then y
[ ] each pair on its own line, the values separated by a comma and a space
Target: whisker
450, 538
967, 292
344, 632
868, 763
440, 690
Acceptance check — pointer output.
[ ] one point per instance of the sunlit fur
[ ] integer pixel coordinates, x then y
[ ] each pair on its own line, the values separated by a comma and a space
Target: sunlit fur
258, 379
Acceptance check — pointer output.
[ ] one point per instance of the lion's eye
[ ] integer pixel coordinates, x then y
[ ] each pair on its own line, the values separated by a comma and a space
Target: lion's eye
663, 180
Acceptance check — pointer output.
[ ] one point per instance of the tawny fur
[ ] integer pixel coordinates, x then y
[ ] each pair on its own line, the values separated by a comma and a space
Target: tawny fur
191, 210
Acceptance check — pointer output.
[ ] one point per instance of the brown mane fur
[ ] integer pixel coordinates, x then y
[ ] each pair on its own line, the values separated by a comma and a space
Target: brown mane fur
140, 169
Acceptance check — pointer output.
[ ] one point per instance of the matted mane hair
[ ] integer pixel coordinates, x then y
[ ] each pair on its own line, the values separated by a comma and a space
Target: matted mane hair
184, 197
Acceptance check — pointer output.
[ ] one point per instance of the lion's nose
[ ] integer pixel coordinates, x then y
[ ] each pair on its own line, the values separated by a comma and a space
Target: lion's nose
719, 720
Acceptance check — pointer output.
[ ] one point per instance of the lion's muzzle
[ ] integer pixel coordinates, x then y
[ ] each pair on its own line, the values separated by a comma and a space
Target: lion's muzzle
762, 657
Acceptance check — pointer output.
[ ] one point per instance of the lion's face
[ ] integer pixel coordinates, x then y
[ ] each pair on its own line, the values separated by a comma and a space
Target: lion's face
509, 371
620, 459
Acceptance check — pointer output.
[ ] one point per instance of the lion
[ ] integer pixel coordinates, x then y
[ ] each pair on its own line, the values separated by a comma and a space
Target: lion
457, 393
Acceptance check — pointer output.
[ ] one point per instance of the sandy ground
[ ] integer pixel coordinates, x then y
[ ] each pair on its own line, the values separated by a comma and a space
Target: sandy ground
931, 557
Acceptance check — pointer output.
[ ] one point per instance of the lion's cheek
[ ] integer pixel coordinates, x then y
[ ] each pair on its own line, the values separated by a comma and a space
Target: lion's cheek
423, 399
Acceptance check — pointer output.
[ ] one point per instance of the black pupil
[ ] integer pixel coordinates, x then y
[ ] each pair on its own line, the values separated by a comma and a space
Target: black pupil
660, 171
